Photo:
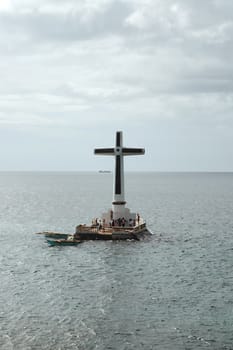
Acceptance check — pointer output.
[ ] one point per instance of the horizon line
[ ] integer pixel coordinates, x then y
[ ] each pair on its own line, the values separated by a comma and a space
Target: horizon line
111, 171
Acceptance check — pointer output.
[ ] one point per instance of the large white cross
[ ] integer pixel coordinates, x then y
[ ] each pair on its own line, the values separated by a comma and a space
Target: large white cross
119, 152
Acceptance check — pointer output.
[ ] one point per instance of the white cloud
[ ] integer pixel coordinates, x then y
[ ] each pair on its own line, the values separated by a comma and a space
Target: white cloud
218, 33
5, 5
159, 15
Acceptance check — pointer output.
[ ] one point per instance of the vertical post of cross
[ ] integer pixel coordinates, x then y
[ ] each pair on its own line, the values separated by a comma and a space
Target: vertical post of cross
118, 189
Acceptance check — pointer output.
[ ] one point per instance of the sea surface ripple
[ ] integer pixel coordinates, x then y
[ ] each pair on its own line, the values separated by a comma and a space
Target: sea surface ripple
172, 292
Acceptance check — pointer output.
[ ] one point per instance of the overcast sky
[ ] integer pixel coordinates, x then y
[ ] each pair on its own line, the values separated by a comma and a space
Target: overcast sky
73, 72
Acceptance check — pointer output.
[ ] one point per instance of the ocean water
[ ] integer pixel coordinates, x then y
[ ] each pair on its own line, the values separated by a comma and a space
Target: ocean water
172, 292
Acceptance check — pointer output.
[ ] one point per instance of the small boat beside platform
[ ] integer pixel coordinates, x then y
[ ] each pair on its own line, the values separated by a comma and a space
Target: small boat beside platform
70, 240
60, 242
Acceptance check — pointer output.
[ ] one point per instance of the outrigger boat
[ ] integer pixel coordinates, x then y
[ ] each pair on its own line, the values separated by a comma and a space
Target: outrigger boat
118, 223
70, 240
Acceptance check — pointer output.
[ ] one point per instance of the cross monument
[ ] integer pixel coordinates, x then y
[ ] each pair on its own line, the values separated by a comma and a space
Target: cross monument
118, 204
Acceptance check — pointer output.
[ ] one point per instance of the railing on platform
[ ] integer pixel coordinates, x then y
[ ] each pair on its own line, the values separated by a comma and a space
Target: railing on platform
94, 229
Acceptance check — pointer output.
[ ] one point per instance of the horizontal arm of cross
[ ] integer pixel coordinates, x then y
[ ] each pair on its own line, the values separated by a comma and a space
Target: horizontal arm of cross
132, 151
105, 151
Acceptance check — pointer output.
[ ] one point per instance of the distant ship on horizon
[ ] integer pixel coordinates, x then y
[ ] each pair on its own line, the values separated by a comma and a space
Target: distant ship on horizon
105, 171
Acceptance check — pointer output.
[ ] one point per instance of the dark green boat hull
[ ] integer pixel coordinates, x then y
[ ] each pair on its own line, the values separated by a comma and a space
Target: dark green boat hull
62, 242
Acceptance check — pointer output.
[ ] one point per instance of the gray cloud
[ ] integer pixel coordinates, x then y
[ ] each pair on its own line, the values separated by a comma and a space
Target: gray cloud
67, 26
